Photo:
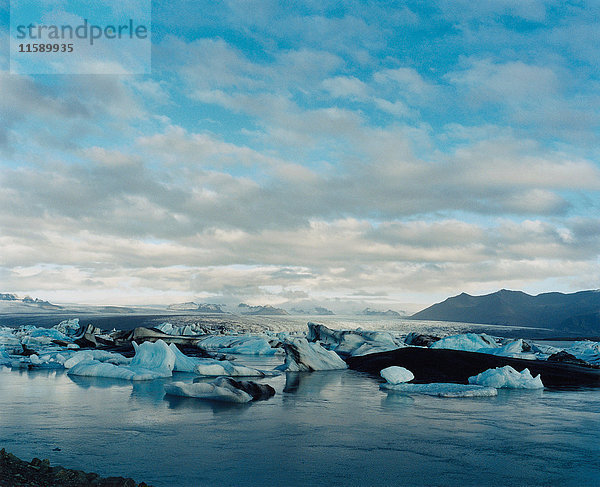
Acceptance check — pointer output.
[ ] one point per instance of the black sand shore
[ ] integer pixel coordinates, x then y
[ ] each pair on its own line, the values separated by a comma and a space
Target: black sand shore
15, 472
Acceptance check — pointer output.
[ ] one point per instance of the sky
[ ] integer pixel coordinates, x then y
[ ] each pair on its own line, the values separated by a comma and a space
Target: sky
335, 153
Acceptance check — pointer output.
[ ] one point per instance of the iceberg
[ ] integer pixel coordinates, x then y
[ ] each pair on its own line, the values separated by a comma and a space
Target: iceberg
586, 350
482, 343
469, 342
97, 355
68, 327
93, 368
507, 377
213, 368
9, 340
304, 356
397, 375
442, 389
352, 343
183, 363
156, 356
218, 390
151, 361
51, 333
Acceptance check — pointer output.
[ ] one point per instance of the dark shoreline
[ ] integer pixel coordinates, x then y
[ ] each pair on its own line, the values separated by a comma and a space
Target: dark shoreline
15, 472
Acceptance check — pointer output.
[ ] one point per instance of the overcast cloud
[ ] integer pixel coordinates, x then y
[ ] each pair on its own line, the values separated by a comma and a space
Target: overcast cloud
341, 155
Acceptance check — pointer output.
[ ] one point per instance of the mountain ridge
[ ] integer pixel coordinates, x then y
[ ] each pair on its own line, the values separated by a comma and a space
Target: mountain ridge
570, 312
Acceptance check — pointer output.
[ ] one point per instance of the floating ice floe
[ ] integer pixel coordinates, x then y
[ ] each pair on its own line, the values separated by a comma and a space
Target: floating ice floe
218, 390
93, 368
507, 377
352, 343
151, 361
442, 389
482, 343
214, 368
585, 350
396, 375
304, 356
97, 355
397, 378
222, 389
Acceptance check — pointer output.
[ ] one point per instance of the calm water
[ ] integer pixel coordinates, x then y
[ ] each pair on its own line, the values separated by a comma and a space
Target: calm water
325, 428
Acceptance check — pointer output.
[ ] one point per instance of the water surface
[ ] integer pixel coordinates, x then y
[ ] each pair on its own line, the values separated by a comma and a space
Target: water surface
325, 428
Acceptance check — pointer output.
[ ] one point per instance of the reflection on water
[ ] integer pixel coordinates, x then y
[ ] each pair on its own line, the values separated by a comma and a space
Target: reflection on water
307, 383
216, 407
100, 382
325, 428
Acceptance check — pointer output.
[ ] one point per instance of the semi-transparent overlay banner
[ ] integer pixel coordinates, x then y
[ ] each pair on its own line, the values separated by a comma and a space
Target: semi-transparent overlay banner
78, 37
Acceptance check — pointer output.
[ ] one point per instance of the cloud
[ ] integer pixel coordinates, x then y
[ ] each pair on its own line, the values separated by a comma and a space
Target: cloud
404, 153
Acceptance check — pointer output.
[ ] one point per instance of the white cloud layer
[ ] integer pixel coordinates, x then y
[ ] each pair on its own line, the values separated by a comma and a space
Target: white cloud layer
317, 160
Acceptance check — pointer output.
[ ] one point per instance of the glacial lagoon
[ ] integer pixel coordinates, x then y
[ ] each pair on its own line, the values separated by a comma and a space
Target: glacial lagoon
323, 428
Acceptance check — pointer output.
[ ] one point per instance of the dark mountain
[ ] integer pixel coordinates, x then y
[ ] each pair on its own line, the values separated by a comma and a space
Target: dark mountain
577, 312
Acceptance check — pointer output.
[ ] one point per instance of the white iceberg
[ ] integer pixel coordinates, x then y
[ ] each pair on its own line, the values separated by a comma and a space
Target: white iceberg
183, 363
93, 368
217, 390
303, 356
214, 368
98, 355
442, 389
397, 375
507, 377
68, 327
469, 342
156, 356
352, 343
585, 350
151, 361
